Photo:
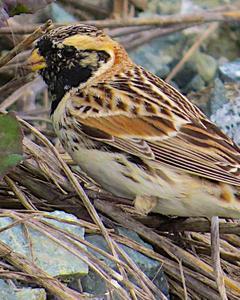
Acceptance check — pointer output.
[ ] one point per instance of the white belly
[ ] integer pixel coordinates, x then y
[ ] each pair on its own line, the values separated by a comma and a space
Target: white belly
186, 196
113, 176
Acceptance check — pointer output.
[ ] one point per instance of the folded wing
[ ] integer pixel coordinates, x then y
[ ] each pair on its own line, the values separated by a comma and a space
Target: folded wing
144, 116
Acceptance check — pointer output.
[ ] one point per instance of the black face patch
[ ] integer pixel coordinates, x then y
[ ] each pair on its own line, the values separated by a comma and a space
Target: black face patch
66, 80
67, 67
61, 79
44, 46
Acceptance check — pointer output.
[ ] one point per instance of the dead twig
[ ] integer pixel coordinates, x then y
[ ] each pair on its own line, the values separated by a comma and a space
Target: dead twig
203, 36
163, 21
197, 225
24, 44
20, 195
80, 191
11, 86
53, 285
37, 83
132, 41
215, 248
188, 259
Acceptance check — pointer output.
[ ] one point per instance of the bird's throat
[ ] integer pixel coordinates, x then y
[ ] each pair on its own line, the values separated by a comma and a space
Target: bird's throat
59, 83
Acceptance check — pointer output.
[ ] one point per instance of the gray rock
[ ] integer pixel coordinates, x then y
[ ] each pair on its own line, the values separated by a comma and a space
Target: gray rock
230, 71
218, 96
184, 76
59, 14
7, 292
196, 84
206, 4
55, 12
48, 255
149, 266
205, 65
164, 7
225, 108
158, 55
227, 118
224, 43
93, 284
189, 6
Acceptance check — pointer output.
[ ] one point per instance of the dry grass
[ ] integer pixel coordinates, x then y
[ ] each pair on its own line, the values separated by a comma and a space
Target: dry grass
47, 180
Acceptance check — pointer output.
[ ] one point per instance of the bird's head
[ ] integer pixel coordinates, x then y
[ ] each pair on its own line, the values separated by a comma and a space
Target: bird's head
69, 56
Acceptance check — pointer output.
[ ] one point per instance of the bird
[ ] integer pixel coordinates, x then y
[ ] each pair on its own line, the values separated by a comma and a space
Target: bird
133, 133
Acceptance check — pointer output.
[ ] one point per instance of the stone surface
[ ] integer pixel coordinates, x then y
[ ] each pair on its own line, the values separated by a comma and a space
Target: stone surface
59, 14
196, 84
227, 118
206, 4
230, 71
159, 55
7, 292
206, 65
224, 43
218, 96
184, 76
164, 7
48, 255
149, 266
93, 284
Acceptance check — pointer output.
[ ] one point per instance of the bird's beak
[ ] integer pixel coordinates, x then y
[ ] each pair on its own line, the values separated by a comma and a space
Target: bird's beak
36, 62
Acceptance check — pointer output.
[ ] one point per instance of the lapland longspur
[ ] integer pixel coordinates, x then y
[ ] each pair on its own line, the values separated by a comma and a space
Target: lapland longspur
132, 132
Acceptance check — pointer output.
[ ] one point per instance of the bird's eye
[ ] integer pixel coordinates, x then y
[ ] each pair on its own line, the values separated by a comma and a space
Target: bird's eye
68, 52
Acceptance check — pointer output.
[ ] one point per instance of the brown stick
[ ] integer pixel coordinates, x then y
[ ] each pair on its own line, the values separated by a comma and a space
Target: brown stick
167, 20
163, 243
164, 21
25, 43
133, 41
215, 249
78, 188
11, 86
203, 36
198, 225
54, 286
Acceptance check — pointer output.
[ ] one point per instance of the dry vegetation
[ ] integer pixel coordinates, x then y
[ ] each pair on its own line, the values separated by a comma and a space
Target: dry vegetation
47, 180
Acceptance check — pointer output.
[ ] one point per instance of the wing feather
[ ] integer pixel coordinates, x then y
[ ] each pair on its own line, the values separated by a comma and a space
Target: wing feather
146, 117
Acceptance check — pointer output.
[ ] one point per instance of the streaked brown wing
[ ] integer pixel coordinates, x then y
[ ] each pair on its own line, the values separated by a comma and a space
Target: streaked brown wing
207, 154
144, 116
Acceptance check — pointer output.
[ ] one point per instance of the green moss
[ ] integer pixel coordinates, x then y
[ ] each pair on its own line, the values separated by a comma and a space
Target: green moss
18, 9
